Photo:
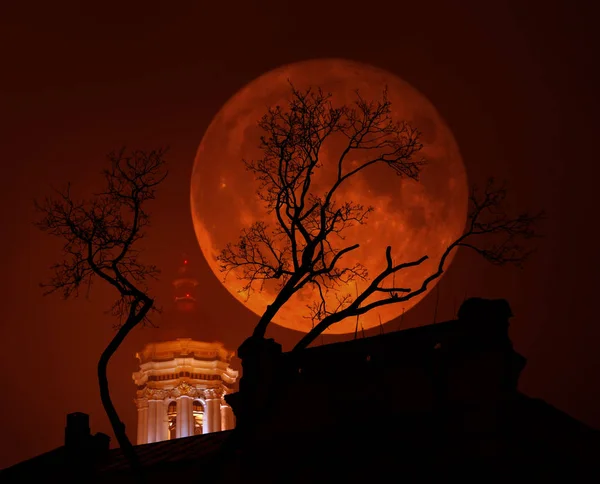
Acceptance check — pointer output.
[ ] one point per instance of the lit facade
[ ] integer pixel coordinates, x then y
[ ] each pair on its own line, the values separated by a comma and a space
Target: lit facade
181, 386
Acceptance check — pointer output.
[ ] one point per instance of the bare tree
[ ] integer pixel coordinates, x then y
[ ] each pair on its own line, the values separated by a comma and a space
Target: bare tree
298, 249
101, 240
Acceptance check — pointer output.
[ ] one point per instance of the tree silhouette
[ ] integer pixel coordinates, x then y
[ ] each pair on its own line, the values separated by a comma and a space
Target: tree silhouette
298, 250
101, 237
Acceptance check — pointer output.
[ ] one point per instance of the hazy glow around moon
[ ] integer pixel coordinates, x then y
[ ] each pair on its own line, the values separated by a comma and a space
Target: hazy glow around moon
415, 218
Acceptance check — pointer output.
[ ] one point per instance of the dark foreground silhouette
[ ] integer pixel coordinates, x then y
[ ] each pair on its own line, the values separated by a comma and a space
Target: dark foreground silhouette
428, 403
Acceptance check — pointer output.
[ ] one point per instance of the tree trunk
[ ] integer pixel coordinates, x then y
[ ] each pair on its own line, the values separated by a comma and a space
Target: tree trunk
282, 297
117, 425
312, 335
269, 314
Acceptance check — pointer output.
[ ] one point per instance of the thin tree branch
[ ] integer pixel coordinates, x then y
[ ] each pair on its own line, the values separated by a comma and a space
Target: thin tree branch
298, 250
100, 236
490, 232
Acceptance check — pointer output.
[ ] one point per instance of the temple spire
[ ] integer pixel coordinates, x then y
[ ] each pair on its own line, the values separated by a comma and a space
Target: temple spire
185, 287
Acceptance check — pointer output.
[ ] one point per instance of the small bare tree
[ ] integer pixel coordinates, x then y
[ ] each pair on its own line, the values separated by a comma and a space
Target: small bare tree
298, 249
101, 240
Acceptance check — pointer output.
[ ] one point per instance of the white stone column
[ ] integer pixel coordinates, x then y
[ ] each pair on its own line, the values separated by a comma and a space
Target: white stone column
152, 411
213, 412
217, 414
223, 418
184, 416
162, 421
205, 419
227, 419
142, 428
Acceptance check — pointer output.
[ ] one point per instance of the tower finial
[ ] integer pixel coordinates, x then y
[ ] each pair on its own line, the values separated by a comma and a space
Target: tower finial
185, 286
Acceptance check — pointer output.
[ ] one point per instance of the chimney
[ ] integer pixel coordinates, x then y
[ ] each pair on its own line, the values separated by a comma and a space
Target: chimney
77, 431
101, 442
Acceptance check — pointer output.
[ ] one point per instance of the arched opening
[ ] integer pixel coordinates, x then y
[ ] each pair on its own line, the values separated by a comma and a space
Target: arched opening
172, 416
198, 412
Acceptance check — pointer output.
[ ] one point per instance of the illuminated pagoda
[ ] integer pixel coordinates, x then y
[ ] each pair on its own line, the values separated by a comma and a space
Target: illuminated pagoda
181, 383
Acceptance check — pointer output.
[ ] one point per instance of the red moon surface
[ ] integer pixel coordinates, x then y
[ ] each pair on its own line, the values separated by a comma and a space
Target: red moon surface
414, 218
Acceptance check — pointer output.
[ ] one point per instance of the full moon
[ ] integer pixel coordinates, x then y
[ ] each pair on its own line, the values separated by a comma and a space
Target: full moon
415, 218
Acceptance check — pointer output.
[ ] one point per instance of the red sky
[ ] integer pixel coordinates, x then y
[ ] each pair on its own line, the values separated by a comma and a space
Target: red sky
514, 81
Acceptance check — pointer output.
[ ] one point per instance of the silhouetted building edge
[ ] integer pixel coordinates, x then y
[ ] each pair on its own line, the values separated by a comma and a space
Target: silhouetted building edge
426, 403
